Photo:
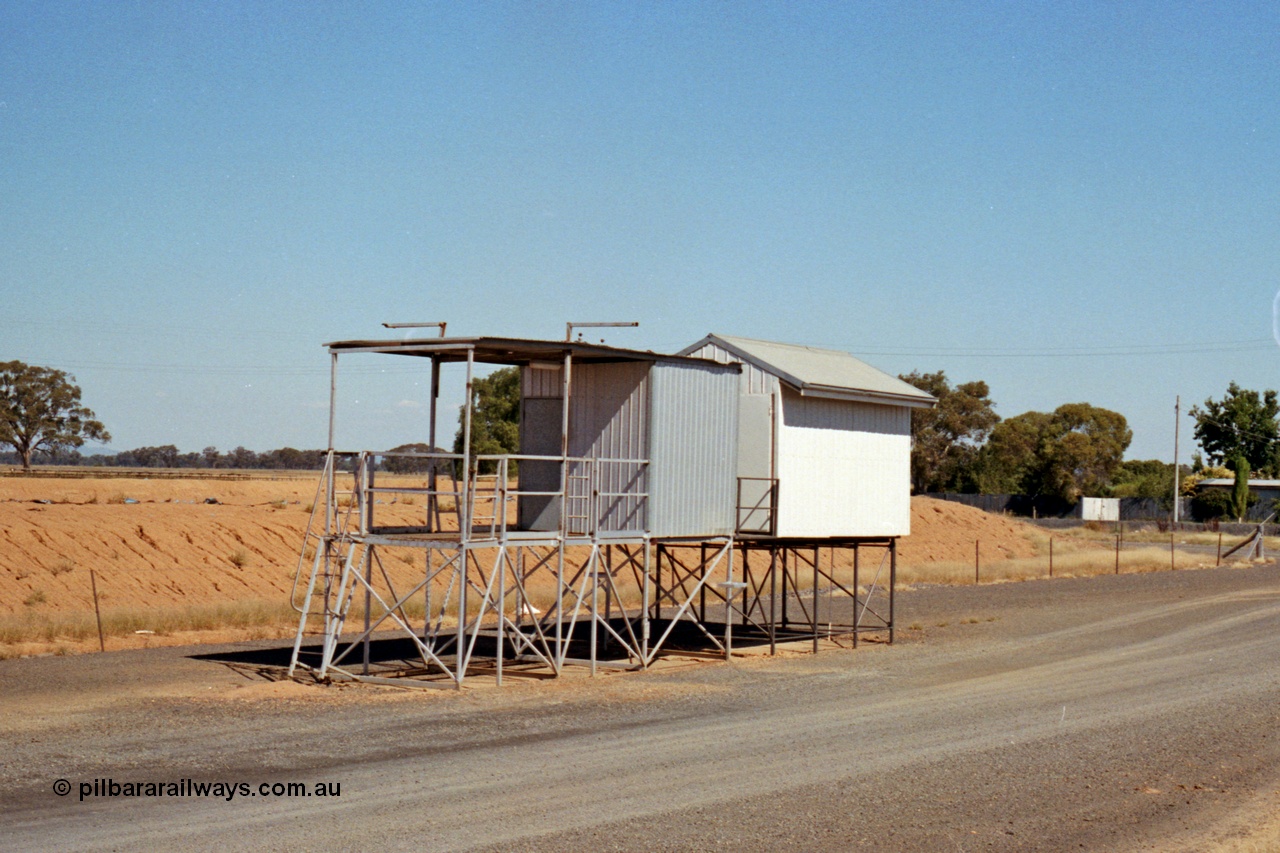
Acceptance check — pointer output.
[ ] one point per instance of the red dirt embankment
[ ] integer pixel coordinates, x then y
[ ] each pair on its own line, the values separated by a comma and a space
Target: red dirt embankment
157, 543
149, 542
942, 531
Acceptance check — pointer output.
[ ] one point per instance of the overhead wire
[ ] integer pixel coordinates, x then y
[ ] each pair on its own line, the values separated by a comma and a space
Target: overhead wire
1069, 352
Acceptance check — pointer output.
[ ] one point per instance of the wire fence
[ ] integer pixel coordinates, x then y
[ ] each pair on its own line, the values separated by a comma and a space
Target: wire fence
1138, 553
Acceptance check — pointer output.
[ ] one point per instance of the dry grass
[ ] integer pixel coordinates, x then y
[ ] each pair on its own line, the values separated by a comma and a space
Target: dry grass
49, 628
1107, 534
1080, 561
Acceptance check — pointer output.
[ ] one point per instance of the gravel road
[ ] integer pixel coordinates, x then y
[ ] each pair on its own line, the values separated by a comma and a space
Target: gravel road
1132, 712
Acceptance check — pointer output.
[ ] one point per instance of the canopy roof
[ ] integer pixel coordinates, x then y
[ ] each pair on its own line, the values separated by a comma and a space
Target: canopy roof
509, 351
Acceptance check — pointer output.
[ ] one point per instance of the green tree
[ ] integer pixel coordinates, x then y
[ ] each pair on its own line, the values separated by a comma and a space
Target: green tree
495, 415
1144, 478
945, 439
414, 464
1083, 449
1072, 452
40, 410
1242, 423
1011, 457
1240, 488
1212, 505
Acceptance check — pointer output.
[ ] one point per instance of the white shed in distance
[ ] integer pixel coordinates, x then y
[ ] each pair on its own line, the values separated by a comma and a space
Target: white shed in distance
824, 441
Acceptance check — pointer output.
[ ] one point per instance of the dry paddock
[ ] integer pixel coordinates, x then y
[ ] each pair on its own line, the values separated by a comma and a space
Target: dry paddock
179, 559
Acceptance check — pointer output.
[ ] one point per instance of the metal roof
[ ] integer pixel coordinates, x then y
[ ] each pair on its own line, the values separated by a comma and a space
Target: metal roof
511, 351
1227, 482
815, 372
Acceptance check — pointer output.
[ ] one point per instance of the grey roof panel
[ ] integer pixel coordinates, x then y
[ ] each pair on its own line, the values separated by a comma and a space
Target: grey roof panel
820, 372
510, 350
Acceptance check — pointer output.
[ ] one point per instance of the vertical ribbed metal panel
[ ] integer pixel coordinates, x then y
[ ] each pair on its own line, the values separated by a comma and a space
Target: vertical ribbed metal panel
608, 419
844, 468
693, 450
754, 380
541, 382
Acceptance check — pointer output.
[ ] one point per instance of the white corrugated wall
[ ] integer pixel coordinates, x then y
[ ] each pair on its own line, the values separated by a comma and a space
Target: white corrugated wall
844, 468
693, 450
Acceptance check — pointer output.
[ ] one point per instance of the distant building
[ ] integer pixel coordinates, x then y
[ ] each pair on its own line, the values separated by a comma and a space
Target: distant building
1266, 490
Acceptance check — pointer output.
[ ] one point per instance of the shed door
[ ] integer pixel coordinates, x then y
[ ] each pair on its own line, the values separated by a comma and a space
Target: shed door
541, 422
756, 494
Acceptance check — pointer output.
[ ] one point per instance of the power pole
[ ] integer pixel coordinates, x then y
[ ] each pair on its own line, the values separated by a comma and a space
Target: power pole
1177, 417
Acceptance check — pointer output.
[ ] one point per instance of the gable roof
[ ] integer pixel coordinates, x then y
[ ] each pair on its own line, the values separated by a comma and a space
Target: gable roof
814, 372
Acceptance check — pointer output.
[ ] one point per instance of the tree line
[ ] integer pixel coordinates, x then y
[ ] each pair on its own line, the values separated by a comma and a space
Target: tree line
962, 445
43, 422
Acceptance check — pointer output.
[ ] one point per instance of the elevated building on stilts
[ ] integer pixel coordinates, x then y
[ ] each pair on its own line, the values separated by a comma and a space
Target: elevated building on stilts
658, 504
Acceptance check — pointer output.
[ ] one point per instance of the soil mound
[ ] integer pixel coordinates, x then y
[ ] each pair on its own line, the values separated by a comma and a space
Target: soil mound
942, 531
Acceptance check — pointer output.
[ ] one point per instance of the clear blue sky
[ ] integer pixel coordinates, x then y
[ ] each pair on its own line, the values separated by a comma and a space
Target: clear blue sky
1072, 201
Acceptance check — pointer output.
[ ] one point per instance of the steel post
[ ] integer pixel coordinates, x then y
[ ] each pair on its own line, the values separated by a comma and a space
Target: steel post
893, 582
773, 599
815, 600
855, 595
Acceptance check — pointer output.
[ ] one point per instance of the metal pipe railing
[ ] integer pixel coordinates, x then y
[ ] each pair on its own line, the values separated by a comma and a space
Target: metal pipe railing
595, 489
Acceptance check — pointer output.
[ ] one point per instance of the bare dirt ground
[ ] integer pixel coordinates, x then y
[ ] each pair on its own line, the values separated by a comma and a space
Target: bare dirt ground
157, 550
1131, 712
151, 542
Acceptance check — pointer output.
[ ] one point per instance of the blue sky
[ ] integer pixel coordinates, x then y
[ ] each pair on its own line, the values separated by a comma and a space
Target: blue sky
1071, 201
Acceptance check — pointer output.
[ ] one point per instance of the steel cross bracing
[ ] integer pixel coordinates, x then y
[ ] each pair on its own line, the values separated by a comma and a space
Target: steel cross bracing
789, 591
467, 593
538, 607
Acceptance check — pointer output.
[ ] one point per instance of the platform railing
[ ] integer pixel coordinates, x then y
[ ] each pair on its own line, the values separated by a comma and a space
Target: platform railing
598, 496
757, 505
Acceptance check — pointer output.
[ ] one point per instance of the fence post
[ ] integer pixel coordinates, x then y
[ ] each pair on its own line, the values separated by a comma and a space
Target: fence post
976, 559
1117, 553
93, 581
1050, 556
1218, 562
1173, 562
